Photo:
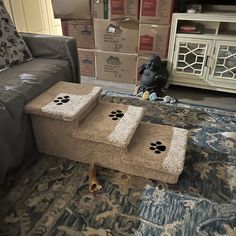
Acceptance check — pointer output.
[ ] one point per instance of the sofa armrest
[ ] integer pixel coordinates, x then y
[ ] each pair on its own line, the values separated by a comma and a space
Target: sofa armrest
54, 47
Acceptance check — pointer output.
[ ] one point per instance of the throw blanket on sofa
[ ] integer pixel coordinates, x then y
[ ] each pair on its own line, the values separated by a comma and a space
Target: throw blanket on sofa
55, 59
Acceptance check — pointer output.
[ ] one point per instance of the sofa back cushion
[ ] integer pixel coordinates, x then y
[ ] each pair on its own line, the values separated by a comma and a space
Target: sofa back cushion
13, 49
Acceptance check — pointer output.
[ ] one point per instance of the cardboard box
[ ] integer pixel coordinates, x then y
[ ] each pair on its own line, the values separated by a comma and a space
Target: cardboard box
116, 67
115, 9
100, 9
154, 39
156, 11
81, 30
71, 9
114, 36
121, 9
87, 62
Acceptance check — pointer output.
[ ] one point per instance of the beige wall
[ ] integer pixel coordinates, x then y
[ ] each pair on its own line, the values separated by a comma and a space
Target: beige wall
8, 6
34, 16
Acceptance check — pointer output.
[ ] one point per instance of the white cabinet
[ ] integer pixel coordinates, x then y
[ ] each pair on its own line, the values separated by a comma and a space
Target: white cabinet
202, 51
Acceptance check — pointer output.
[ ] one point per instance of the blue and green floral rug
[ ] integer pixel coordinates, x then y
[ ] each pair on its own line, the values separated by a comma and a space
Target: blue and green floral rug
52, 198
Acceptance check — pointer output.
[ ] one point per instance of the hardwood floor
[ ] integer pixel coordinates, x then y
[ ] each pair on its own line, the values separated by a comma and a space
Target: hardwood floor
188, 95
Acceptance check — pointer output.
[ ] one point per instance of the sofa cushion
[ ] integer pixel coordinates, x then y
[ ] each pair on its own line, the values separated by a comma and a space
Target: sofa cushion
13, 49
34, 77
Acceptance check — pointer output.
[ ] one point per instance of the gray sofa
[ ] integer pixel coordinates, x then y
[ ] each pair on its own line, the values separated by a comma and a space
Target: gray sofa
55, 59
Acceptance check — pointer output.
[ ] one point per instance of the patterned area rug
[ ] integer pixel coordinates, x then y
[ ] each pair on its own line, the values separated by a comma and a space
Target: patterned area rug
52, 198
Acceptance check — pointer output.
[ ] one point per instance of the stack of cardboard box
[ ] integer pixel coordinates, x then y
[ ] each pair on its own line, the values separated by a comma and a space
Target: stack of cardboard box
154, 29
82, 31
115, 37
77, 22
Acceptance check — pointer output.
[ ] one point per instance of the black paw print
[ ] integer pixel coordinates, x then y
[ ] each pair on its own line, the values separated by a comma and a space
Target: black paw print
157, 147
62, 100
116, 114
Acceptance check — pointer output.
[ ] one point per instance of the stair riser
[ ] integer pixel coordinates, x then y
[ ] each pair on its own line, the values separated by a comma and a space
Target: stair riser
110, 123
54, 137
69, 122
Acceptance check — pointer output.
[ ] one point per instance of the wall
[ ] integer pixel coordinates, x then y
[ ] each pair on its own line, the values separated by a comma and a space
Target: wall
34, 16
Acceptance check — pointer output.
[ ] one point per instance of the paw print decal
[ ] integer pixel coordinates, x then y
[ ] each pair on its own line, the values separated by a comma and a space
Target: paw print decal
62, 100
157, 147
116, 114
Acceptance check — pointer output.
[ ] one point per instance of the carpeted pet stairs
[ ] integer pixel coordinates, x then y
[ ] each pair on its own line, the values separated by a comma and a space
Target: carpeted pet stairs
70, 122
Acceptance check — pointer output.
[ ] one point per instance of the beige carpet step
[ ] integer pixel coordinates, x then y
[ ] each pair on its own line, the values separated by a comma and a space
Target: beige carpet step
65, 101
158, 147
110, 123
155, 152
111, 135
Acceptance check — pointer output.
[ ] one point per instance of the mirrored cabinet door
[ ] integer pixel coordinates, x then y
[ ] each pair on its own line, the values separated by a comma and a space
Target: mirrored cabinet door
225, 61
191, 57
